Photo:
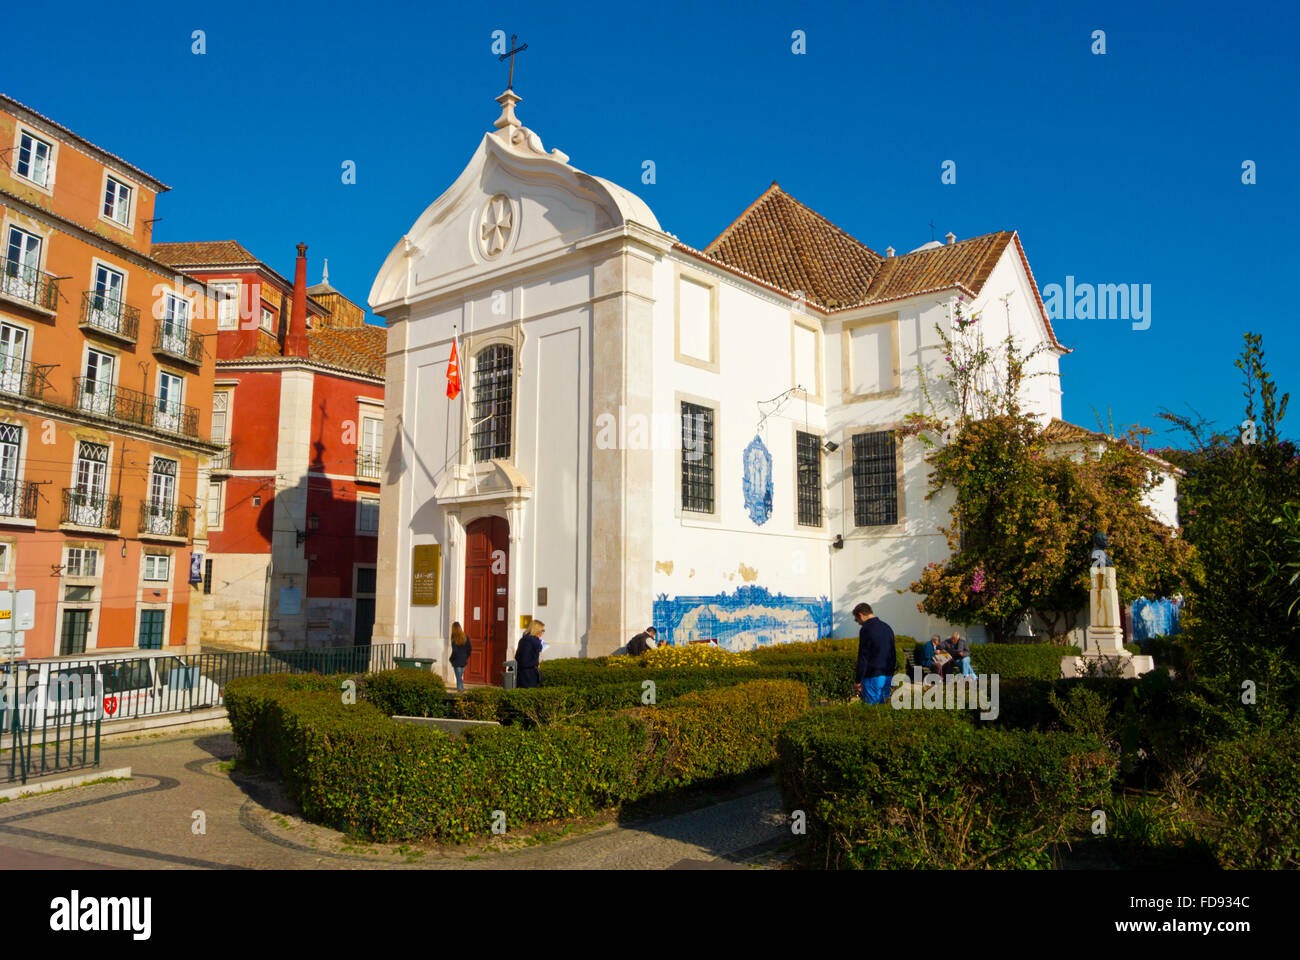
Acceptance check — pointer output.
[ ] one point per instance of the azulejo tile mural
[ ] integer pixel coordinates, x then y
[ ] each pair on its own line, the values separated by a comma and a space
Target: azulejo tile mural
758, 481
748, 618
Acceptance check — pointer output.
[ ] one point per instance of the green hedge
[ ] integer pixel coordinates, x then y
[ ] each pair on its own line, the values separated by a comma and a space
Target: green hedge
352, 768
406, 693
1251, 791
883, 788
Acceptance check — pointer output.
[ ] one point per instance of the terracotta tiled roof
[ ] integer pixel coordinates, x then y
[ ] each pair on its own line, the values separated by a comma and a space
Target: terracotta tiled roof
354, 348
1059, 432
783, 244
795, 248
966, 264
202, 253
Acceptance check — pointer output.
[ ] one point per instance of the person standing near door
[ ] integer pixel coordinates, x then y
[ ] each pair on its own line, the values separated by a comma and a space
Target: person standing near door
528, 654
460, 651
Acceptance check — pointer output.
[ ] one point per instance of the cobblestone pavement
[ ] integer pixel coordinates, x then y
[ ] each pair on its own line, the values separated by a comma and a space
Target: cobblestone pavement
150, 822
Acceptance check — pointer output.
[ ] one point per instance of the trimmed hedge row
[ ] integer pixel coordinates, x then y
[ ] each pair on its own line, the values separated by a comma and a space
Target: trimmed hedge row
828, 676
352, 768
882, 788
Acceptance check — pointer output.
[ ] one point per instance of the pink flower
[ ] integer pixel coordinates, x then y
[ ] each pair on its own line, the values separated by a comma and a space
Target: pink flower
977, 580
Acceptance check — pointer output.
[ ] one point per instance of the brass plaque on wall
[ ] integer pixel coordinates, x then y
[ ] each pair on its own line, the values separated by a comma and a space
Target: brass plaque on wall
426, 566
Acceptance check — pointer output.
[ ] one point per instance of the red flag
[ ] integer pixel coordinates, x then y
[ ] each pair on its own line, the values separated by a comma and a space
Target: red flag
453, 374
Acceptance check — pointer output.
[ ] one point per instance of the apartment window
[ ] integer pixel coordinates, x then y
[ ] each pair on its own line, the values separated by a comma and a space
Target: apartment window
76, 630
875, 479
117, 201
367, 516
157, 566
808, 464
22, 264
11, 490
81, 562
175, 324
220, 415
268, 320
152, 623
227, 297
697, 458
6, 549
33, 160
88, 507
216, 494
160, 510
207, 576
171, 393
494, 381
372, 434
13, 354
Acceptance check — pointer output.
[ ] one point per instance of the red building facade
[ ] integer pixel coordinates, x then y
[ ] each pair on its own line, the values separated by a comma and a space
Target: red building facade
293, 503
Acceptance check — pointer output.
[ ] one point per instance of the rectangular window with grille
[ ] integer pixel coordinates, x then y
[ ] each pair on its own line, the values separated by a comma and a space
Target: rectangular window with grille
207, 576
875, 480
494, 379
809, 466
697, 458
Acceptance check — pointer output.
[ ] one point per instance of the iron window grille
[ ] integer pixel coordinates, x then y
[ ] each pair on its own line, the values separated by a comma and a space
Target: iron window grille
697, 458
493, 398
809, 467
875, 480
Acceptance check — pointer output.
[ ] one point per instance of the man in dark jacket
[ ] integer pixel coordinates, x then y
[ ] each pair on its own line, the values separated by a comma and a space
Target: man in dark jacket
528, 654
875, 655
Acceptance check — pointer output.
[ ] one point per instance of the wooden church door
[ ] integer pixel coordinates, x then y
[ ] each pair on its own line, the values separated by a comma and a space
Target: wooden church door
487, 548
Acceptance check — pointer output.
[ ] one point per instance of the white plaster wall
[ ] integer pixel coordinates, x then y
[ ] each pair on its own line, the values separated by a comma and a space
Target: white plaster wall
696, 555
1020, 316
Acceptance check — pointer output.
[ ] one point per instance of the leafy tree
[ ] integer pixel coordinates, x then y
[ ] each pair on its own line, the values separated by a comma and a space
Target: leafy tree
1023, 519
1239, 621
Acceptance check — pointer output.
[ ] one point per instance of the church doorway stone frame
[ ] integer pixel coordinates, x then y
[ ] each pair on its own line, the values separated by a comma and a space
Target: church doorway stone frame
461, 521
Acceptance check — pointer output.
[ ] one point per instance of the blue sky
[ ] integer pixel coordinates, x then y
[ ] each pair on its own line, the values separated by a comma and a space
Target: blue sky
1121, 168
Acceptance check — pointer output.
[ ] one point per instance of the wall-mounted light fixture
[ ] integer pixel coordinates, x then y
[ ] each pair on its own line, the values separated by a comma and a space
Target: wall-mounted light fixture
830, 446
313, 525
838, 542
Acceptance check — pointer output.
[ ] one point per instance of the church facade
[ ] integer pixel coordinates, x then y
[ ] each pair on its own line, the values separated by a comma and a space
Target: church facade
707, 440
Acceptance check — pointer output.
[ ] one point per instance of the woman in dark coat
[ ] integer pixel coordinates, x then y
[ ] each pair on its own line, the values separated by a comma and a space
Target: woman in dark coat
460, 651
527, 655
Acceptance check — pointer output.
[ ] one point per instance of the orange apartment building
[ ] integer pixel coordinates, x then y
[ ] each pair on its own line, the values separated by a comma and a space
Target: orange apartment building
106, 378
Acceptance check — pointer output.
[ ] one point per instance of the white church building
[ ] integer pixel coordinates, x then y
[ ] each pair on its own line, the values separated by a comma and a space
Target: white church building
706, 440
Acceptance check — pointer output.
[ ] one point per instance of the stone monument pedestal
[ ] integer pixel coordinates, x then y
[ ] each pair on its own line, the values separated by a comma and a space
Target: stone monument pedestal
1103, 643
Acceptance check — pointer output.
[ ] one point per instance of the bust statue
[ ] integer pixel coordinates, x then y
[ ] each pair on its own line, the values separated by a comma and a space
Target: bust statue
1100, 544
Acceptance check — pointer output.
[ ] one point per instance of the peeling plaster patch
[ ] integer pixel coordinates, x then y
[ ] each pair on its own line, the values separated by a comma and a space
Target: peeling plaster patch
748, 574
664, 566
692, 573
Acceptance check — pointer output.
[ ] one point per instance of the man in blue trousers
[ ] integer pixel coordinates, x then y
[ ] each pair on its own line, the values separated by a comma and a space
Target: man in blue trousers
875, 655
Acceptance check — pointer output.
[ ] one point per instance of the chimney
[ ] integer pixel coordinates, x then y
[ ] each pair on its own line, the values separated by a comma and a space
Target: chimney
950, 237
889, 251
295, 342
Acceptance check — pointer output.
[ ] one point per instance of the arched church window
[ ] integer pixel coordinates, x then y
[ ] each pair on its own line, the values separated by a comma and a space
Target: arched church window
494, 385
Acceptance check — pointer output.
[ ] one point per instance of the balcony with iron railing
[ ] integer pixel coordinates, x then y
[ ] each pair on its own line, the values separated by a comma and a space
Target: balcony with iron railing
25, 285
94, 511
103, 314
131, 406
177, 340
18, 500
368, 467
21, 379
163, 519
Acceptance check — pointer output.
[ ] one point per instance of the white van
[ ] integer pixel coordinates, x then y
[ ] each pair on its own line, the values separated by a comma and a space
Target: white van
112, 685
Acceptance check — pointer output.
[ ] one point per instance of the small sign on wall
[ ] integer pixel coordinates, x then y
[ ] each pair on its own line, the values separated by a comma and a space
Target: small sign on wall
426, 568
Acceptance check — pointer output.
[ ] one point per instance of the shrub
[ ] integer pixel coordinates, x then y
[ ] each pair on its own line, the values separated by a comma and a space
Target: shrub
1041, 661
828, 676
1252, 793
883, 788
407, 693
352, 768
